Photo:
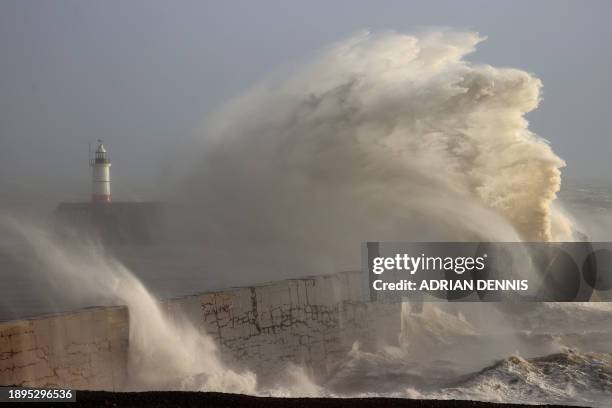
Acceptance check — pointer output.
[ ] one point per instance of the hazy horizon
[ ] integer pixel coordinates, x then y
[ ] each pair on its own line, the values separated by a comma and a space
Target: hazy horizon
144, 75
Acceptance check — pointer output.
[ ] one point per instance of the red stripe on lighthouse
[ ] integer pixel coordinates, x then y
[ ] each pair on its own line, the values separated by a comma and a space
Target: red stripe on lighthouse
100, 199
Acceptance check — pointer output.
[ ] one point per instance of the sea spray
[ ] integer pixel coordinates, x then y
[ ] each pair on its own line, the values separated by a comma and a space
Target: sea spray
164, 353
381, 137
385, 137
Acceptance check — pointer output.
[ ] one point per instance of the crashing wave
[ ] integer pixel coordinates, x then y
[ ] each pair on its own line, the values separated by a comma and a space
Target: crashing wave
568, 377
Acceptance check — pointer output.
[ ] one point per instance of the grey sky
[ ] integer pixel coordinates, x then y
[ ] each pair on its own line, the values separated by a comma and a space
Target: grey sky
143, 74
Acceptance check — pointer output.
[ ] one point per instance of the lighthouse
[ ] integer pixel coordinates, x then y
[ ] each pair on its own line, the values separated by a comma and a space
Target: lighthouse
119, 223
101, 193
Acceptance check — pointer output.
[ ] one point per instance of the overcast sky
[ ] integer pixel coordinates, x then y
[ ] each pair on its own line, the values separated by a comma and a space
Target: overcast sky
143, 74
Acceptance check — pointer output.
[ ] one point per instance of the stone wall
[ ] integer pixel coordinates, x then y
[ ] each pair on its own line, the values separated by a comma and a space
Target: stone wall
311, 321
81, 350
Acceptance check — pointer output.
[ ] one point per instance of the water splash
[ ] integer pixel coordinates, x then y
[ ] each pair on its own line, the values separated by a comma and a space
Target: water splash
382, 137
164, 352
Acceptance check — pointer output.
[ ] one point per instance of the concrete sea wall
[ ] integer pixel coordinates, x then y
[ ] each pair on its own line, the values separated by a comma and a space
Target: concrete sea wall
310, 321
82, 350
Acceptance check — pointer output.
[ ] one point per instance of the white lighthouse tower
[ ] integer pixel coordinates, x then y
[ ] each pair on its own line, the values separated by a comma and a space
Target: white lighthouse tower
101, 192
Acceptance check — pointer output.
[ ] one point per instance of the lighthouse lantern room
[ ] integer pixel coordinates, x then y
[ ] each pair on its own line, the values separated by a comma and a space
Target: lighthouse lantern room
100, 176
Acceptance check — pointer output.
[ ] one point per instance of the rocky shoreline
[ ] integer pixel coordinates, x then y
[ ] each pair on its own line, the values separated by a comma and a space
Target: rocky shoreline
165, 399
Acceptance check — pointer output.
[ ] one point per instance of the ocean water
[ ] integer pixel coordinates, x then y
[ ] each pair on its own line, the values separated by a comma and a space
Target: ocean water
589, 205
551, 353
535, 354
